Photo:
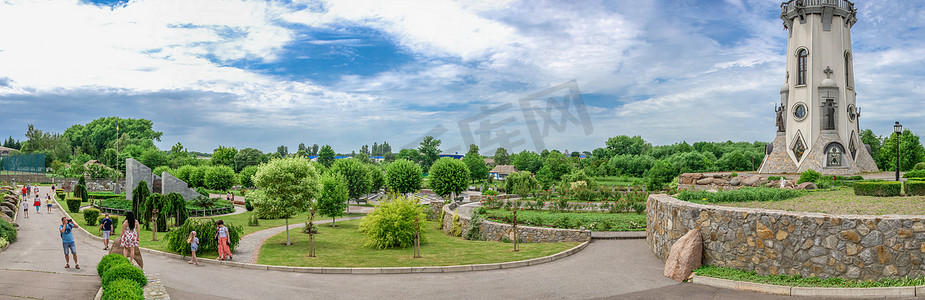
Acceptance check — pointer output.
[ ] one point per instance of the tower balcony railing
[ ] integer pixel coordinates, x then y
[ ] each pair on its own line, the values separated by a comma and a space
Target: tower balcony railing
792, 5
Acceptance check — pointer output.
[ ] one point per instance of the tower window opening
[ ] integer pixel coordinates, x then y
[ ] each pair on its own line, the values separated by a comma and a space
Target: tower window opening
801, 67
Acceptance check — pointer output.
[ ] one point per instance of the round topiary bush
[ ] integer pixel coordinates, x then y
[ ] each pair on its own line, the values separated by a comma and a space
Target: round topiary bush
809, 176
122, 289
124, 271
110, 260
392, 224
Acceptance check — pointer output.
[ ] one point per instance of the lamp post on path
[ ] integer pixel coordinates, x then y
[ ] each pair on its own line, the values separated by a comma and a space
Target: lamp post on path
898, 129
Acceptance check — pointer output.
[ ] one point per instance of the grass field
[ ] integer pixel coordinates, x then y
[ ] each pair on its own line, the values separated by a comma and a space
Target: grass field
343, 247
797, 280
843, 201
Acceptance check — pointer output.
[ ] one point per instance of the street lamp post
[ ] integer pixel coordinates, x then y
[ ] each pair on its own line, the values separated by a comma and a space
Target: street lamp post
898, 129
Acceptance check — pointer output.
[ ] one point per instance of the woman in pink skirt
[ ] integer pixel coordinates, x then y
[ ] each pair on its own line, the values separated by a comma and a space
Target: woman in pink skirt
224, 251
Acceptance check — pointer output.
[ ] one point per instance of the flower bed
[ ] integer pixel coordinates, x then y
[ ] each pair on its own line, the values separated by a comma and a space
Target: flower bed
596, 221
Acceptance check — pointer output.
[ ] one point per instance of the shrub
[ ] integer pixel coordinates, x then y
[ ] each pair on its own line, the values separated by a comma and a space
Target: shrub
80, 191
205, 230
110, 260
734, 174
809, 176
203, 191
473, 232
914, 174
919, 166
104, 195
456, 226
253, 221
744, 194
7, 231
878, 189
915, 188
521, 183
489, 192
61, 194
248, 205
123, 289
91, 215
123, 271
392, 224
73, 204
775, 178
3, 242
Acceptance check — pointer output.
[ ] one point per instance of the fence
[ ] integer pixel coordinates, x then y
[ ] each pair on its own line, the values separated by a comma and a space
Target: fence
26, 163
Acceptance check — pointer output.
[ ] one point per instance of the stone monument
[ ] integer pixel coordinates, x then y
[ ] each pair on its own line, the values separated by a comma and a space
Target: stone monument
817, 121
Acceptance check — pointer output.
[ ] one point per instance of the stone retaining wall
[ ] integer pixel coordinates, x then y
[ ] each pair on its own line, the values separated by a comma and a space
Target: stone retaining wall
24, 178
496, 232
773, 242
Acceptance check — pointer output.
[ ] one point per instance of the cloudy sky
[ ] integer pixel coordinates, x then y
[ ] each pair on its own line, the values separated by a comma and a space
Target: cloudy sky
519, 74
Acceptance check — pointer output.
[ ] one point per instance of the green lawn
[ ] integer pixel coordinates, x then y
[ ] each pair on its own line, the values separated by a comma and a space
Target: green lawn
145, 241
620, 181
342, 247
797, 280
843, 201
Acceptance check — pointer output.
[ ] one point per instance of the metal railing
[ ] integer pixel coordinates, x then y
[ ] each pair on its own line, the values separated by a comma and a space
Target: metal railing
792, 5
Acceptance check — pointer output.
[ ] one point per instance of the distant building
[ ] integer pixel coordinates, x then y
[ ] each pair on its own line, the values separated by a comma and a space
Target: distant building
453, 156
489, 162
5, 151
500, 172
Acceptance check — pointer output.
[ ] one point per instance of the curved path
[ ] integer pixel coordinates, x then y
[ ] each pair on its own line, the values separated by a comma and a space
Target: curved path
249, 246
609, 269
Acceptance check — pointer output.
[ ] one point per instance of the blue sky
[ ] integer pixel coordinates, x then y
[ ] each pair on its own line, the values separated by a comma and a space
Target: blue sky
347, 73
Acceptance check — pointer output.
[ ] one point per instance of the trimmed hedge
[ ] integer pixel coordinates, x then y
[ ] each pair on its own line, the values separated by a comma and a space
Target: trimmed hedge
914, 174
110, 260
207, 233
744, 194
73, 204
915, 188
123, 289
105, 195
91, 215
878, 189
123, 271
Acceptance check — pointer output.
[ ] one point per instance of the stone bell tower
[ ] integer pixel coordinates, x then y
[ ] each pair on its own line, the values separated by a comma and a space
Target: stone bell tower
818, 117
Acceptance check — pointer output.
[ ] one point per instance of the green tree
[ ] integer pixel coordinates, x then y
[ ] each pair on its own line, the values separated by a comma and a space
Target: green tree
220, 178
355, 175
153, 157
476, 164
632, 165
94, 137
282, 150
409, 154
910, 151
287, 186
660, 174
430, 151
178, 156
403, 176
447, 176
502, 157
139, 196
688, 162
521, 183
224, 156
876, 142
526, 161
736, 160
554, 167
246, 177
315, 149
246, 157
326, 156
627, 145
376, 178
334, 196
393, 224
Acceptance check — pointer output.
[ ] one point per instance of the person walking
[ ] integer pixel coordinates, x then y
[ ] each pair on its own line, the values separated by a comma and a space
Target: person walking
48, 202
25, 192
193, 246
129, 239
37, 203
224, 252
25, 207
67, 238
106, 229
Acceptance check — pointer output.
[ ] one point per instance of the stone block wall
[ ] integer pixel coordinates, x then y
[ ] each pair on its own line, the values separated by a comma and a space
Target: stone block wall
22, 179
135, 172
497, 232
171, 184
773, 242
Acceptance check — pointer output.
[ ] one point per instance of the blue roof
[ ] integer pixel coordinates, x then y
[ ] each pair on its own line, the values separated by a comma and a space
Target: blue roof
456, 156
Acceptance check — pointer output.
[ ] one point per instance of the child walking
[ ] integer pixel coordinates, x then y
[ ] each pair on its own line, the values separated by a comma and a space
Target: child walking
25, 207
193, 246
48, 202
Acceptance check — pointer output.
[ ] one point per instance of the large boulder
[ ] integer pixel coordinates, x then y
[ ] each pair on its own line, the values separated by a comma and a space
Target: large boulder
807, 186
116, 247
7, 218
10, 205
705, 181
684, 256
735, 181
7, 211
752, 181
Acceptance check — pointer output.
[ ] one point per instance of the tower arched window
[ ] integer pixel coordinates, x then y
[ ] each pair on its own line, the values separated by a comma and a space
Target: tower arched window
848, 79
801, 66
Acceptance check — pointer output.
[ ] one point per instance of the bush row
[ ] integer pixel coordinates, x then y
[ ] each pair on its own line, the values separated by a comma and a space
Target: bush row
878, 188
744, 194
120, 279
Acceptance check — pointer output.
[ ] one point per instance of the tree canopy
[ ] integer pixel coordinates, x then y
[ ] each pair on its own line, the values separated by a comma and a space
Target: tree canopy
448, 175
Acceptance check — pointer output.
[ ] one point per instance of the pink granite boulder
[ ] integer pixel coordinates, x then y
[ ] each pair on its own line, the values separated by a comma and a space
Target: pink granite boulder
684, 256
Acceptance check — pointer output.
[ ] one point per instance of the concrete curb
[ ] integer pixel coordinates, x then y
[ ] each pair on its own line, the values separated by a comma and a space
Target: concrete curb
857, 293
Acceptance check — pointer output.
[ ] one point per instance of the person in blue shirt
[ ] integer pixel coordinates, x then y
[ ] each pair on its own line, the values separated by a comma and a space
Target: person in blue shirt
67, 238
106, 230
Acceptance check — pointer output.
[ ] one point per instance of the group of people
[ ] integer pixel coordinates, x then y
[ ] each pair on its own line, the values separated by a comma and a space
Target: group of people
28, 191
